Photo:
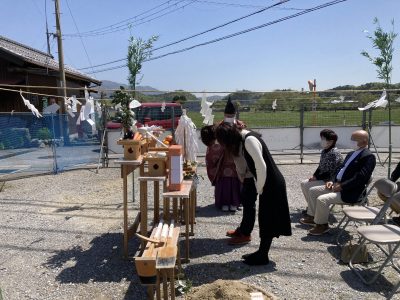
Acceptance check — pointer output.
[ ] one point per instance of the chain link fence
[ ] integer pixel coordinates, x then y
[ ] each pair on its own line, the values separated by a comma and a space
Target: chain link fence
50, 144
54, 143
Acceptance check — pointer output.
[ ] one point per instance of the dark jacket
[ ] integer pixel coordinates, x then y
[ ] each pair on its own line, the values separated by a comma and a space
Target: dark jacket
356, 176
396, 173
273, 211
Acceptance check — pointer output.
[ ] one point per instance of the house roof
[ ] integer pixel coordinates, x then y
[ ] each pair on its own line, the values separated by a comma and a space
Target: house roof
40, 58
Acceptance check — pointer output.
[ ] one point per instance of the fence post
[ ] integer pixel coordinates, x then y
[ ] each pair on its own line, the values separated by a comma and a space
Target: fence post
173, 121
364, 120
301, 132
53, 146
369, 127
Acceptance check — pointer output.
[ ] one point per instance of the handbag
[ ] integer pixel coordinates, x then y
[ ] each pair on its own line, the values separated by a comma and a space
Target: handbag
348, 251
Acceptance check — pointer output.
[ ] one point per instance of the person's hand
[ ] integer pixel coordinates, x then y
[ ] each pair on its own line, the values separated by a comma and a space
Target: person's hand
312, 178
337, 187
329, 185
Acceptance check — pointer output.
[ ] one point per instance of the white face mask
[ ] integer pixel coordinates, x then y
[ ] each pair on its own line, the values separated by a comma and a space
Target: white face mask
354, 145
324, 144
230, 120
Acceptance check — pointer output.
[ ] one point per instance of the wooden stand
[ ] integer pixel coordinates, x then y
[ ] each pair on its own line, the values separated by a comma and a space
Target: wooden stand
186, 195
158, 260
127, 167
144, 201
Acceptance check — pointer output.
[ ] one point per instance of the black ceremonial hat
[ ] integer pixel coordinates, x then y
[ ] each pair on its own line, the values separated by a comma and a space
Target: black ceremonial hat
230, 108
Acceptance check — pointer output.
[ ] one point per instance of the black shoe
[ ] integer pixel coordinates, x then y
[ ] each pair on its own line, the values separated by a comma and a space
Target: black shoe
245, 256
256, 259
304, 212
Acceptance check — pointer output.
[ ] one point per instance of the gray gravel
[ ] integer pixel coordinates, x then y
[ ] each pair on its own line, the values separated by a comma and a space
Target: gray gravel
61, 238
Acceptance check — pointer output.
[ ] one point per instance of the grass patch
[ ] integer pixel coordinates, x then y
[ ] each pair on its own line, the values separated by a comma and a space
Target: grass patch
311, 118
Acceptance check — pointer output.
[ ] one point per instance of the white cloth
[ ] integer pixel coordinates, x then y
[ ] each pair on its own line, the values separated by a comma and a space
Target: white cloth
352, 157
254, 148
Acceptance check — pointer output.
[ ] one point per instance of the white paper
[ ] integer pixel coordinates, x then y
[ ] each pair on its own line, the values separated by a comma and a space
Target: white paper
176, 162
51, 109
134, 103
87, 110
91, 122
86, 94
70, 112
30, 106
381, 102
176, 176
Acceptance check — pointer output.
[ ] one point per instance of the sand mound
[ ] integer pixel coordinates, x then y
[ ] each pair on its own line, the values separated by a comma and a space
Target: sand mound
226, 289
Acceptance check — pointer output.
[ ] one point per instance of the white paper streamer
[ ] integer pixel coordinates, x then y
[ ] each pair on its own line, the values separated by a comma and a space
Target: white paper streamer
381, 102
30, 106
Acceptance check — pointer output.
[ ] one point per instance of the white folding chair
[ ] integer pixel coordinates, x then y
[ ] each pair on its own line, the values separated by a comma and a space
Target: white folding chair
367, 214
381, 236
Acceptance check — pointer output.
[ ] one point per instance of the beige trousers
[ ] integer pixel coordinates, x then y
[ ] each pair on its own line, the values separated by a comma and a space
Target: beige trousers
305, 188
322, 199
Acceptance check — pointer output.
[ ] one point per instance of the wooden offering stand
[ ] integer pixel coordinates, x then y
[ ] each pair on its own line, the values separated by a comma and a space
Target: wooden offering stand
158, 259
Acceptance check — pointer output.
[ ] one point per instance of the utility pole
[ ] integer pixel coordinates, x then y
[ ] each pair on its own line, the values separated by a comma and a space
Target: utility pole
63, 83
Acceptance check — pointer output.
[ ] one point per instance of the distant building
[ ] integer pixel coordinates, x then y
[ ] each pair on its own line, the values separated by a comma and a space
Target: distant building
23, 65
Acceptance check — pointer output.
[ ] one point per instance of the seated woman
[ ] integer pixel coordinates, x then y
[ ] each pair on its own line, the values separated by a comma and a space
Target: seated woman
330, 160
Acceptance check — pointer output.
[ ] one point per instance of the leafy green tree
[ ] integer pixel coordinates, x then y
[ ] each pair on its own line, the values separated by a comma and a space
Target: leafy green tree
383, 42
125, 114
139, 50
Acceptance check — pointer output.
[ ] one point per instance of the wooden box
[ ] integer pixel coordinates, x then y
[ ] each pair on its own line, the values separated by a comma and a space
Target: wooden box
154, 166
132, 149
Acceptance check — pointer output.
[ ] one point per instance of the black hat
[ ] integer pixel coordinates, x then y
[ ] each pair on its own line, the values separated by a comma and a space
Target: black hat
229, 108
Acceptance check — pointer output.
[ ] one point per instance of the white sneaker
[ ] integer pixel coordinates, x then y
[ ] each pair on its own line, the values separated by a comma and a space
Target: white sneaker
225, 208
232, 208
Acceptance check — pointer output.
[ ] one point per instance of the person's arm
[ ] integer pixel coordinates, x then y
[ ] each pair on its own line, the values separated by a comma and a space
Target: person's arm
396, 173
254, 148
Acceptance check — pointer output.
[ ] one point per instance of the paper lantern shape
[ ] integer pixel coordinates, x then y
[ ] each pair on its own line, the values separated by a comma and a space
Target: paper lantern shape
175, 167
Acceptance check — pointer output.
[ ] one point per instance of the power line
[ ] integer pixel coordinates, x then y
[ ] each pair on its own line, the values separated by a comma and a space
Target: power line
201, 33
234, 34
243, 5
77, 30
113, 28
112, 25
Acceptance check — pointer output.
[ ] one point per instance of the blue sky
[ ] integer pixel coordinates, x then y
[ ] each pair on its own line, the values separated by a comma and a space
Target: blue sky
324, 44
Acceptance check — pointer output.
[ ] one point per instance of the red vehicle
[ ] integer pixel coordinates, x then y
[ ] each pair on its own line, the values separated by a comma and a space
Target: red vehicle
151, 114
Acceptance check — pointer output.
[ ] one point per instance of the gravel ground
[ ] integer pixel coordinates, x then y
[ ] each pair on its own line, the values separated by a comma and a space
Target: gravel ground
61, 238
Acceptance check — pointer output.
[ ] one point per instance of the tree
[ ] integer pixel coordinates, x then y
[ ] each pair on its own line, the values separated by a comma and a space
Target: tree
125, 114
383, 42
139, 51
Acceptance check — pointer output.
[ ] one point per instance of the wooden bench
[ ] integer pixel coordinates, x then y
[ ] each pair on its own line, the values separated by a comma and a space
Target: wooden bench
158, 260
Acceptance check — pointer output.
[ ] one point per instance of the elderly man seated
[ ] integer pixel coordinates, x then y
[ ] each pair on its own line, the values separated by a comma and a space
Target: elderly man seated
348, 185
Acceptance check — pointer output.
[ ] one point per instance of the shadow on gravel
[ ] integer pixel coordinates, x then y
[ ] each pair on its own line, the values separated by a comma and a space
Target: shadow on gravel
211, 211
327, 238
381, 285
102, 262
200, 247
234, 270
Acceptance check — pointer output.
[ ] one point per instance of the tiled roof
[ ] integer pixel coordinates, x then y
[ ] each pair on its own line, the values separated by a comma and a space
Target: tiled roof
39, 58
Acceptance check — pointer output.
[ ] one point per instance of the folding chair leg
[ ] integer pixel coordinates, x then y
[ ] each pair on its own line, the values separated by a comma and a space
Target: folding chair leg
378, 272
341, 229
393, 291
